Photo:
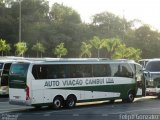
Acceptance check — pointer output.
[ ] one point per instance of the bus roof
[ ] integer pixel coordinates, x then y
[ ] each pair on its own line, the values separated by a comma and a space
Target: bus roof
144, 60
6, 61
74, 60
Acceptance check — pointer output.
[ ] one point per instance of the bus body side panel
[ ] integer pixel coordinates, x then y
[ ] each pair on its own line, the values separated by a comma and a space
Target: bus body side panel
44, 91
32, 90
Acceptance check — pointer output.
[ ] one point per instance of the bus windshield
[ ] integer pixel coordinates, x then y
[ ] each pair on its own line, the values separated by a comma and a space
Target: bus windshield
19, 69
153, 66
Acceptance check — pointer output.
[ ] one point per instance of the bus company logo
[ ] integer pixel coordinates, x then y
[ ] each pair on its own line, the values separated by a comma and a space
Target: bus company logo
79, 82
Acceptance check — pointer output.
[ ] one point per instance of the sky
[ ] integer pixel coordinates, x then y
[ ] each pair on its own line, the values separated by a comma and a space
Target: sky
148, 11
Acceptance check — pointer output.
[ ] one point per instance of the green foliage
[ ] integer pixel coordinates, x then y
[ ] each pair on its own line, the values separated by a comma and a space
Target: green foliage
21, 48
62, 24
85, 50
123, 52
38, 47
111, 45
61, 14
60, 50
8, 48
4, 46
97, 43
148, 41
108, 25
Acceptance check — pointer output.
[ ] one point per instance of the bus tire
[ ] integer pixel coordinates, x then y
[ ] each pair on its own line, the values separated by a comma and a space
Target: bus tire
57, 102
130, 97
70, 101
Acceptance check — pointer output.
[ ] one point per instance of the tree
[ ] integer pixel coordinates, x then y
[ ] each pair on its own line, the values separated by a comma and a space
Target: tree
97, 43
134, 53
123, 52
148, 41
8, 48
38, 47
108, 25
66, 27
85, 50
4, 46
21, 48
60, 50
111, 45
60, 14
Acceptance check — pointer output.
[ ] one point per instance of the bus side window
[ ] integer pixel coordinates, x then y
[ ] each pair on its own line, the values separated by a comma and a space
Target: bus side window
51, 72
5, 74
6, 68
35, 72
72, 71
43, 72
126, 71
118, 72
39, 72
107, 70
61, 71
101, 70
87, 70
122, 71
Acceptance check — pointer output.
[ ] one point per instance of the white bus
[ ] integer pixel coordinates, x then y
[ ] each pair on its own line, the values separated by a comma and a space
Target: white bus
152, 77
4, 76
64, 82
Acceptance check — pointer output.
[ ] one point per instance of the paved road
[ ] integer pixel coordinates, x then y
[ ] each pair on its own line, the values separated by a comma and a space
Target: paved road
3, 98
147, 108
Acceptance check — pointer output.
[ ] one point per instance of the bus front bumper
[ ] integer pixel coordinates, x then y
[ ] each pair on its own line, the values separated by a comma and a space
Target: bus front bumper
152, 92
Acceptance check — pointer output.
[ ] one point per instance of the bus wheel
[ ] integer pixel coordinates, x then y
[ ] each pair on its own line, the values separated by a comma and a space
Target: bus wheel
130, 97
71, 101
57, 102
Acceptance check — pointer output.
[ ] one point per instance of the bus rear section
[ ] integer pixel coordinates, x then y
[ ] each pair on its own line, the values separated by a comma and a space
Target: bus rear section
18, 88
4, 76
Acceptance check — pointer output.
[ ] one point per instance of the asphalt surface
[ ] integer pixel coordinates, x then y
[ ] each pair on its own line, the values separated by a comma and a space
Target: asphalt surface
146, 108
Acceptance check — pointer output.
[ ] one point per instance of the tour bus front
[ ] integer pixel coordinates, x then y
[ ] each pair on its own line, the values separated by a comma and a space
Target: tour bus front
18, 87
152, 76
153, 84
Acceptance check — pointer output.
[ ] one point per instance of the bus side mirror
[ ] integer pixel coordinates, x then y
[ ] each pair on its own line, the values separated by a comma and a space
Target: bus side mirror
146, 74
